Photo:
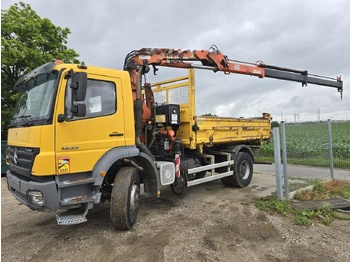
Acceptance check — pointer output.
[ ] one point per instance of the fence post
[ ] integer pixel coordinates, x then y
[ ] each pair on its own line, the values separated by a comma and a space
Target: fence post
284, 157
277, 153
330, 147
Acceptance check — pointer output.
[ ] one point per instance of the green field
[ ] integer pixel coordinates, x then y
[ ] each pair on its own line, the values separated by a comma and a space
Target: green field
307, 144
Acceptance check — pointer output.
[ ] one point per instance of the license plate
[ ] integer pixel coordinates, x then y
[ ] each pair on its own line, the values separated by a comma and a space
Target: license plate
15, 184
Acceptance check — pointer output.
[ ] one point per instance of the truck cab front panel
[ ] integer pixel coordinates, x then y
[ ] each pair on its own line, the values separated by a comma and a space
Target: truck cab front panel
51, 159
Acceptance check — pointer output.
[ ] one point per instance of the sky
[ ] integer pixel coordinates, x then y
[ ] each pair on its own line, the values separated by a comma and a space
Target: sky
305, 35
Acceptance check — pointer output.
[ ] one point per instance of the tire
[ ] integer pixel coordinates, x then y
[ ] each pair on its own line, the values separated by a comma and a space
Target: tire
125, 198
178, 191
200, 174
243, 172
227, 181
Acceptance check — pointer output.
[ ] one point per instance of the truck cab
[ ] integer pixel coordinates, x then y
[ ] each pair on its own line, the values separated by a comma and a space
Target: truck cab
72, 124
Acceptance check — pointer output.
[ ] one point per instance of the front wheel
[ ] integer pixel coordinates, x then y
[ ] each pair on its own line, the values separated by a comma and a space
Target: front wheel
243, 171
125, 198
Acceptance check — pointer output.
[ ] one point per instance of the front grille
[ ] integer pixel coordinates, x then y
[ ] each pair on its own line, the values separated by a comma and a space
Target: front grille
21, 159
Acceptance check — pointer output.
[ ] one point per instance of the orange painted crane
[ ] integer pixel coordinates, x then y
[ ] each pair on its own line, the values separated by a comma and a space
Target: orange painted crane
138, 62
213, 59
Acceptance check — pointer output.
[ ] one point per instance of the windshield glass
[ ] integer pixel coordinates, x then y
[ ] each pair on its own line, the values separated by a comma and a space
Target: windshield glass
35, 100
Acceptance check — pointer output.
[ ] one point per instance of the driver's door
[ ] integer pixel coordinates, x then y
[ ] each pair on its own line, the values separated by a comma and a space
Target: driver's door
81, 141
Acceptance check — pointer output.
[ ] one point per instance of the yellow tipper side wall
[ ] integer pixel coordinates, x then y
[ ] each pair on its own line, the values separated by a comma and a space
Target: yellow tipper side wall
196, 131
219, 130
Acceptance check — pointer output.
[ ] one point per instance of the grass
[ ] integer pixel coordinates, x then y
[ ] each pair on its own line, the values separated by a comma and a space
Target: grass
272, 204
324, 213
307, 144
321, 190
299, 183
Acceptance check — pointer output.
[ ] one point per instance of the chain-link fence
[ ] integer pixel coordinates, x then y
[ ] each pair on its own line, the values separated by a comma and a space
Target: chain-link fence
308, 144
309, 150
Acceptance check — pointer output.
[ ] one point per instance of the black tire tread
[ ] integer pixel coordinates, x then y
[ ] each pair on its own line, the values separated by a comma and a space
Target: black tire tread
235, 180
119, 210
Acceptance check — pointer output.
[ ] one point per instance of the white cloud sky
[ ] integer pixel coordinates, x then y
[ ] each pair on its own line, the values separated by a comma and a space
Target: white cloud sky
307, 35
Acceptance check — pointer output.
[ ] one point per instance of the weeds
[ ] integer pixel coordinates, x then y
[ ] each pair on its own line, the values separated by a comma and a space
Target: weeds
324, 213
321, 190
302, 218
272, 204
299, 183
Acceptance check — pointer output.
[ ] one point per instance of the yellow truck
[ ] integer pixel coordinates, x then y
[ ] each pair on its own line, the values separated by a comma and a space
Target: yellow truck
81, 135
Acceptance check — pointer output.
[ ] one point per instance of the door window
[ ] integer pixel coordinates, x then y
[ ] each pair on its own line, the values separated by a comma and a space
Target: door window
100, 99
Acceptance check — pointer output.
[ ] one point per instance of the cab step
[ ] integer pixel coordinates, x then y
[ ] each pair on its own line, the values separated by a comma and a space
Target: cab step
71, 219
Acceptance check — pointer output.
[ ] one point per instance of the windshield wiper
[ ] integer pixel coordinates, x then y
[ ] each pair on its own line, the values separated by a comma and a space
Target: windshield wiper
29, 122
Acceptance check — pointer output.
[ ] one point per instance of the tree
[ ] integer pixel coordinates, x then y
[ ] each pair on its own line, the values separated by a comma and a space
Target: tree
275, 124
209, 114
27, 41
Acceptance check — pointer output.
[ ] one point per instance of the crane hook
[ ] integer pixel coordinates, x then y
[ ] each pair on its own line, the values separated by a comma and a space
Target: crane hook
155, 69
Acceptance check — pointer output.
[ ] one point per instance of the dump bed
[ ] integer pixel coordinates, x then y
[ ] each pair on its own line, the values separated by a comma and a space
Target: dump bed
197, 131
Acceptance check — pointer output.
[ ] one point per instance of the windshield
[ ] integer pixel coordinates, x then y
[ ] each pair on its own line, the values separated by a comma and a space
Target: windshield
35, 100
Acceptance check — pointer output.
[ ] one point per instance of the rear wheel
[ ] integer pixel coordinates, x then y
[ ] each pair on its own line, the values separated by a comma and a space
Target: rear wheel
200, 174
125, 198
243, 171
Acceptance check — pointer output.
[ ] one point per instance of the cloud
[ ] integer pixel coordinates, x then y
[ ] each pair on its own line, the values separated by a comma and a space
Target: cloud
306, 35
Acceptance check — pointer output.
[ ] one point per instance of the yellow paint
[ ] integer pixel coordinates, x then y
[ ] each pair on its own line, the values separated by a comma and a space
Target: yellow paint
83, 141
212, 130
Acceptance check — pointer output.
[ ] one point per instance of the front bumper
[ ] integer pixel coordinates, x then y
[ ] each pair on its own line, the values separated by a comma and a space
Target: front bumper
20, 188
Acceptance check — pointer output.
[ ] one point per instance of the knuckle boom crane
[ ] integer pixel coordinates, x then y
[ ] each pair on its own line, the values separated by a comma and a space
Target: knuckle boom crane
138, 62
196, 133
214, 60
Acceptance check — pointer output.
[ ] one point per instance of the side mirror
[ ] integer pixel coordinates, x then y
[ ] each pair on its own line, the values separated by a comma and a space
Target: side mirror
78, 109
78, 86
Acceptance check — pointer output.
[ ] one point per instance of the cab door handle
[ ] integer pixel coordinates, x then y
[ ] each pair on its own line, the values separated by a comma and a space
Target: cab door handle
116, 134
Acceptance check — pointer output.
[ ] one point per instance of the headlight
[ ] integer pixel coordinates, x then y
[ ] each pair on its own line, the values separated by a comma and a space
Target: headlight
35, 198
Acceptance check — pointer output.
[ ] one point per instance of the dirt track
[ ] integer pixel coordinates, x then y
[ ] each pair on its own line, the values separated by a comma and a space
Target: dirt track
210, 223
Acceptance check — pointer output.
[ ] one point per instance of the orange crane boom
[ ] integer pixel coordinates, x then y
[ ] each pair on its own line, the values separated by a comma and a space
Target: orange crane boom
213, 59
138, 62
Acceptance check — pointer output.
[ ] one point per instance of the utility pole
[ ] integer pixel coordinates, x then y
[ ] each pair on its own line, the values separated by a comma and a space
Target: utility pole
281, 115
298, 117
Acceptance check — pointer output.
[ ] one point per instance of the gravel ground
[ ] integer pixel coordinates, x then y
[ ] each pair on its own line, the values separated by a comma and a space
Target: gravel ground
210, 222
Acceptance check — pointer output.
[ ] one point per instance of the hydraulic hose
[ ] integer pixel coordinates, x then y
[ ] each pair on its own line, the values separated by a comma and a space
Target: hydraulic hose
138, 116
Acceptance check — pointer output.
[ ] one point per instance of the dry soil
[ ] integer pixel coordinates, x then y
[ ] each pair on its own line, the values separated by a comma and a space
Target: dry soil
210, 222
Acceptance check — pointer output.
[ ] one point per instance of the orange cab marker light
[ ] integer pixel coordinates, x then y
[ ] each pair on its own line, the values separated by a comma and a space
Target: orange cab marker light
58, 62
7, 157
103, 173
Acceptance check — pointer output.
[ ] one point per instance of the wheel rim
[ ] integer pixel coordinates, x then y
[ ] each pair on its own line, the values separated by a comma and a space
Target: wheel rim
245, 170
134, 198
